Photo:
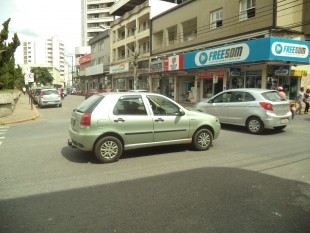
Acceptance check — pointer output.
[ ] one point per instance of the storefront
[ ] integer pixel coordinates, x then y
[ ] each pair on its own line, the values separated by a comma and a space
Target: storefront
249, 64
121, 77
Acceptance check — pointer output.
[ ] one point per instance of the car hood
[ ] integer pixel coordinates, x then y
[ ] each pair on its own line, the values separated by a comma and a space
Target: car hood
200, 114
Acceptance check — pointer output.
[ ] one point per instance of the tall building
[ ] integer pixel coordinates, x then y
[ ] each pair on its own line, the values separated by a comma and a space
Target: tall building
95, 15
46, 53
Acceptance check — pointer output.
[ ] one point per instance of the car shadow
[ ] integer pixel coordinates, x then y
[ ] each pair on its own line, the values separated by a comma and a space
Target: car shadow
243, 130
79, 156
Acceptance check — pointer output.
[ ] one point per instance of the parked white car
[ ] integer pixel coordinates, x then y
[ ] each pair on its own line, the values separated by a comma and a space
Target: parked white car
49, 97
256, 109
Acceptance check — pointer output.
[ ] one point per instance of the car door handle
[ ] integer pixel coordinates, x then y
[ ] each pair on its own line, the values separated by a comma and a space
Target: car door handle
159, 119
119, 119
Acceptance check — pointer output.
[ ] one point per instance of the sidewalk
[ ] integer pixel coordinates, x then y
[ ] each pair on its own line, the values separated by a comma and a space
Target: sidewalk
22, 112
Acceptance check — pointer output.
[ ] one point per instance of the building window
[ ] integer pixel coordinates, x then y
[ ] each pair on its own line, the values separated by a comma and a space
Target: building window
247, 9
189, 29
216, 19
172, 35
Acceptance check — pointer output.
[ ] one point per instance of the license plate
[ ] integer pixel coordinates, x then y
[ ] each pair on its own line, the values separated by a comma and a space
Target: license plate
284, 121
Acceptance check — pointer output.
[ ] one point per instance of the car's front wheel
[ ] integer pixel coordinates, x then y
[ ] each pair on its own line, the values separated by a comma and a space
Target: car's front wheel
202, 139
108, 149
255, 125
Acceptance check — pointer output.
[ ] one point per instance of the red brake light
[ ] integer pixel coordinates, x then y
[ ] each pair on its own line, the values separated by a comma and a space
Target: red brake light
86, 117
266, 105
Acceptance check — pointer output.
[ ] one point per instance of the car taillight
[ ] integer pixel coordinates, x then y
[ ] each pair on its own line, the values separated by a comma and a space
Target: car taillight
85, 121
266, 105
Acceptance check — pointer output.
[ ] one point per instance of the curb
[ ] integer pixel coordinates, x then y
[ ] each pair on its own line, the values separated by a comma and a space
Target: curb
23, 120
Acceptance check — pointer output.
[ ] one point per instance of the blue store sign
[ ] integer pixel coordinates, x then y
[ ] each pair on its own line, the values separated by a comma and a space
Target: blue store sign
250, 51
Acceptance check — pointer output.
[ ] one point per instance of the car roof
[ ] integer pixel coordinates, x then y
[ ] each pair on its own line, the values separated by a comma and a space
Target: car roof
258, 90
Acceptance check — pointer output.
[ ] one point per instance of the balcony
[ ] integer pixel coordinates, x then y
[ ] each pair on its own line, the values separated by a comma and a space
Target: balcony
122, 6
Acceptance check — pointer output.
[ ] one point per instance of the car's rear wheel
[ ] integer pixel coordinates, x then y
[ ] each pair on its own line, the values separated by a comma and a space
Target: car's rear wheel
108, 149
202, 139
255, 125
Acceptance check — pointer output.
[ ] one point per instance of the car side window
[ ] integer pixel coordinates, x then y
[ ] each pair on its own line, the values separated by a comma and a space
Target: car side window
248, 97
130, 106
237, 97
223, 98
162, 106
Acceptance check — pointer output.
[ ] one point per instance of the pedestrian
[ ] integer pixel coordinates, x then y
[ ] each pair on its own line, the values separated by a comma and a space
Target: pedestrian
24, 90
281, 92
299, 100
307, 100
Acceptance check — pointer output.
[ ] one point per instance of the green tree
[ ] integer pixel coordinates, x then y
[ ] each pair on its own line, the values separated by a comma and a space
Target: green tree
42, 76
8, 71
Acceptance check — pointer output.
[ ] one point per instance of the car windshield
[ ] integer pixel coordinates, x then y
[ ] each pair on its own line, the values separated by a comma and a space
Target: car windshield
272, 96
90, 104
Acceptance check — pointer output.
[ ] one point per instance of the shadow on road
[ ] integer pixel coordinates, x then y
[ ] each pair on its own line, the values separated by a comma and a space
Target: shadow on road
200, 200
79, 156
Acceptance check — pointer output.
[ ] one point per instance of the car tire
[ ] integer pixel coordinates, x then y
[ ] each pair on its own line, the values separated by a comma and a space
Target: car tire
255, 125
60, 105
108, 149
202, 139
278, 128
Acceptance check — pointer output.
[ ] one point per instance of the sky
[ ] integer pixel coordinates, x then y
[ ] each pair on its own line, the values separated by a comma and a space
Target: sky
34, 19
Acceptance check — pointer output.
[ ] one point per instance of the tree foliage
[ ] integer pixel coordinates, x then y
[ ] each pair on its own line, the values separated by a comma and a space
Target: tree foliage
10, 76
42, 76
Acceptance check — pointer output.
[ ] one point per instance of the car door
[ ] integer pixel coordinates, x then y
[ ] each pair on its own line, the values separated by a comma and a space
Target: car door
219, 106
130, 119
169, 124
240, 107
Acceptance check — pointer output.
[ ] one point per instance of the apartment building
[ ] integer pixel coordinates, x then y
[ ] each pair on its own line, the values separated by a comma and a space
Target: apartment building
130, 41
230, 44
97, 74
94, 14
47, 53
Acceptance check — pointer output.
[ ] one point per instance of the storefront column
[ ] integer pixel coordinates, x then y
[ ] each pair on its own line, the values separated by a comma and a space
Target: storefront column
264, 76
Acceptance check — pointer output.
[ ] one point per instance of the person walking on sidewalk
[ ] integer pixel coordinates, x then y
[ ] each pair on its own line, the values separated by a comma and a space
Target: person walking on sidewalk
307, 100
299, 100
24, 90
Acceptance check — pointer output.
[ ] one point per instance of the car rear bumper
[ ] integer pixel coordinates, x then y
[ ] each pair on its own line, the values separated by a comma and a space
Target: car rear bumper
275, 121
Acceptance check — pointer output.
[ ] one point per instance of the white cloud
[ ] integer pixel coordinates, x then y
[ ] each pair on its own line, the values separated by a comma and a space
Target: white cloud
33, 19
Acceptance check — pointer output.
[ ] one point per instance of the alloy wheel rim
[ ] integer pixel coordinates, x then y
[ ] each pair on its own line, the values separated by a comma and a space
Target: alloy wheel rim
109, 149
254, 126
204, 140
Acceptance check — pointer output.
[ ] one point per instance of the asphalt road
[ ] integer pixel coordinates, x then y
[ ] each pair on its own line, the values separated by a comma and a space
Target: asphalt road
244, 183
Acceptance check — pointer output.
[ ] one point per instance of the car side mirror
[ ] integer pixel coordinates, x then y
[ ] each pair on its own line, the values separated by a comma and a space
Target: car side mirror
181, 112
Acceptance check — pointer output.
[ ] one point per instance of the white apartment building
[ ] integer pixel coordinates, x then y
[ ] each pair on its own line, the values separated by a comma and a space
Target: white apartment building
46, 53
95, 13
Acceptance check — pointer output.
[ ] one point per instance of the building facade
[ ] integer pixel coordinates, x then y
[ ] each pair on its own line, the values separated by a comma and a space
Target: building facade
130, 42
229, 44
46, 53
94, 13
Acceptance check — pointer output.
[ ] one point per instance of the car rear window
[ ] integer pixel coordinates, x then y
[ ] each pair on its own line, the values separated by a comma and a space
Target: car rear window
49, 92
90, 104
272, 96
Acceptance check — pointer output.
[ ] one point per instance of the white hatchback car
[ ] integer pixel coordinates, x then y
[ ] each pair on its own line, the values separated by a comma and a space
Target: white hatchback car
256, 109
49, 97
